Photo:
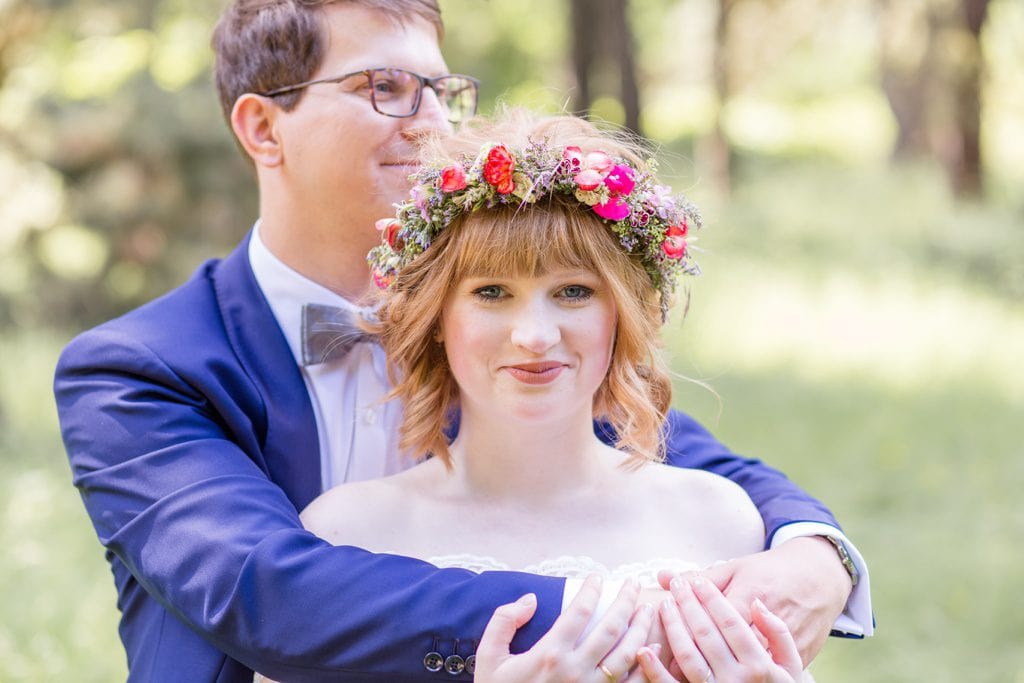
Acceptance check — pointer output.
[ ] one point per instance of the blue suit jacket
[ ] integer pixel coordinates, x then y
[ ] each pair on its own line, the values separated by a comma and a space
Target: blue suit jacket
193, 443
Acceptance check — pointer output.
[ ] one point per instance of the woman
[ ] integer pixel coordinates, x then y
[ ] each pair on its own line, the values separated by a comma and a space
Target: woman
523, 286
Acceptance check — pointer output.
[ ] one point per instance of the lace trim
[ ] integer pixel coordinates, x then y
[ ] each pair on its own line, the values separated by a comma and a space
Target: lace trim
570, 566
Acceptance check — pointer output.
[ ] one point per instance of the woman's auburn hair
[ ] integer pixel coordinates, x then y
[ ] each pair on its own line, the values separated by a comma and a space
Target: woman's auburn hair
555, 232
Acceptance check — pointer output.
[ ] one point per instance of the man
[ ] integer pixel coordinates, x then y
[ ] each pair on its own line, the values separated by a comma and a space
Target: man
200, 423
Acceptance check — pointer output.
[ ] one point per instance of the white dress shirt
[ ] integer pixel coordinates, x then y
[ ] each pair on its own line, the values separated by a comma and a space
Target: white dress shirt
358, 432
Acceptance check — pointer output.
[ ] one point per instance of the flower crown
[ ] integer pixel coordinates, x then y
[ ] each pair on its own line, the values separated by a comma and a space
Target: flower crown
651, 224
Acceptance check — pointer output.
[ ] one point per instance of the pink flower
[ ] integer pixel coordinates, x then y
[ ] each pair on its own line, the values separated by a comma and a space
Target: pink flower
389, 228
499, 168
674, 245
419, 199
620, 179
600, 162
381, 280
574, 155
453, 178
615, 209
588, 180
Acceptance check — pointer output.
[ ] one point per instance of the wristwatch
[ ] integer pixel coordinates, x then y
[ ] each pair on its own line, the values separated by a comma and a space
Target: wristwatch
844, 557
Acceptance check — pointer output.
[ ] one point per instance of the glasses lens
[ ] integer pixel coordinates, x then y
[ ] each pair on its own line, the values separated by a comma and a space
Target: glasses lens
457, 95
395, 92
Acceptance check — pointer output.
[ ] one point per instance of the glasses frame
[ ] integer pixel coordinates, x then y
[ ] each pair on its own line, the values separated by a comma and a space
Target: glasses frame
424, 82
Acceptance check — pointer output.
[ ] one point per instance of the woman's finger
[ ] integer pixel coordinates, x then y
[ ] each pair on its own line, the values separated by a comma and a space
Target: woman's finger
651, 667
685, 653
506, 620
622, 657
734, 629
572, 623
612, 626
704, 631
780, 640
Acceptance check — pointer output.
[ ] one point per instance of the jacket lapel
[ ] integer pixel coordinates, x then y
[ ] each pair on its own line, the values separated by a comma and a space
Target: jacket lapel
291, 448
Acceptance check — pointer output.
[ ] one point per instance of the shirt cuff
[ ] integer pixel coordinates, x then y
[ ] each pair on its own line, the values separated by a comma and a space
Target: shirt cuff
856, 621
609, 590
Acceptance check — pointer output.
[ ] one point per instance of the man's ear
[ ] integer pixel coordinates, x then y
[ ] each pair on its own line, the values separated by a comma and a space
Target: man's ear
252, 120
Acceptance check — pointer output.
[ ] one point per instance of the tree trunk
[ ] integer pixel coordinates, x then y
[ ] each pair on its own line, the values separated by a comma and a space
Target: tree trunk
716, 152
583, 25
908, 79
965, 167
602, 41
623, 53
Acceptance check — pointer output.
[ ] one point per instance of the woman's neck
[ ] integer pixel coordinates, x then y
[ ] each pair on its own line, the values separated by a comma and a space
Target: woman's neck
527, 461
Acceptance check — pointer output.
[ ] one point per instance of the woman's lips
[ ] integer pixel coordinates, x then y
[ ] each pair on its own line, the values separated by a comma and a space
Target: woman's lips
536, 373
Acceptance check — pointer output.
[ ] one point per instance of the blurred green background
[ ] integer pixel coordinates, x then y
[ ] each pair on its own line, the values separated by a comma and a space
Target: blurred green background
860, 164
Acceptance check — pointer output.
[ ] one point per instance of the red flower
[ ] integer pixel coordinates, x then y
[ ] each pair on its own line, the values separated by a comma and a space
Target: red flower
389, 228
674, 245
499, 168
453, 178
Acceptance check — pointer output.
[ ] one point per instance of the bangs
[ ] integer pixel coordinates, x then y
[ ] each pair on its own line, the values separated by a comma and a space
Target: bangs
531, 240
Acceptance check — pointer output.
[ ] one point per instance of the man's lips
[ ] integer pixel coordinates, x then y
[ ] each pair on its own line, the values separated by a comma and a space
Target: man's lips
400, 161
541, 372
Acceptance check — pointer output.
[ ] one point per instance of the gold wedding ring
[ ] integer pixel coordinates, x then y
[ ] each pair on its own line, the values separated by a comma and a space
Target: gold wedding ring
604, 669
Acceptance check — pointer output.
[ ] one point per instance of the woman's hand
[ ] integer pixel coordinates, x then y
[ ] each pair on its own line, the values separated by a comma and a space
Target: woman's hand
606, 655
710, 641
802, 580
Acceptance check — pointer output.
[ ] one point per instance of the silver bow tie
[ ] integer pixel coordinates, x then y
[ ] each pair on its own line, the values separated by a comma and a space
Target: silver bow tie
329, 332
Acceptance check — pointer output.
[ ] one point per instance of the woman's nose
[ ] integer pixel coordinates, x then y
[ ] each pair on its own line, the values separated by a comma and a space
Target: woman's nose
535, 330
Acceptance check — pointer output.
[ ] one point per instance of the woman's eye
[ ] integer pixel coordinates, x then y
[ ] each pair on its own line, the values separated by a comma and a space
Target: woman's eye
576, 292
489, 292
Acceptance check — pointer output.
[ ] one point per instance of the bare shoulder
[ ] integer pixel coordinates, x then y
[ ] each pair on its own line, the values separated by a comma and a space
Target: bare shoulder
348, 514
723, 507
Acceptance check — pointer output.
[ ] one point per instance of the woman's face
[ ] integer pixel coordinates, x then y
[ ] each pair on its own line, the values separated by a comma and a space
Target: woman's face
530, 348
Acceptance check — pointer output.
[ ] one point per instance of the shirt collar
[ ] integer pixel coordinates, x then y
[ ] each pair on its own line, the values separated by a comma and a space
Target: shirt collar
287, 291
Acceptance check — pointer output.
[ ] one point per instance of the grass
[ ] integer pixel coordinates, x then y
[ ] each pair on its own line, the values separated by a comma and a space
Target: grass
862, 333
57, 618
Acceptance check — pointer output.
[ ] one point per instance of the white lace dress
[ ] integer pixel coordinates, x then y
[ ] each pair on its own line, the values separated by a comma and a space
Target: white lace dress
569, 567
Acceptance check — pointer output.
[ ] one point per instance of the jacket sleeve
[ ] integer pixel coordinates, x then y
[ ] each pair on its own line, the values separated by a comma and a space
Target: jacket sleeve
178, 497
778, 499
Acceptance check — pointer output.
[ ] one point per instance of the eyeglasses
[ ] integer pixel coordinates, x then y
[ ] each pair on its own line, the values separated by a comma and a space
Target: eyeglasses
398, 93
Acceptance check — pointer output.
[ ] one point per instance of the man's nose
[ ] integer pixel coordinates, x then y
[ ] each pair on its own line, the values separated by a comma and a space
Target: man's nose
432, 116
535, 330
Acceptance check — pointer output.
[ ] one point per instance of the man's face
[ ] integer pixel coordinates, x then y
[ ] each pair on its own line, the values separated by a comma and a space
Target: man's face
347, 163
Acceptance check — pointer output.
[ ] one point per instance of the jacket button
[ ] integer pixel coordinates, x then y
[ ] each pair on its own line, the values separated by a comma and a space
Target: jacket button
433, 662
471, 664
454, 665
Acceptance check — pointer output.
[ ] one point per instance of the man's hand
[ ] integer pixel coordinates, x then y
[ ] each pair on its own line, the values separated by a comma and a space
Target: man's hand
608, 653
801, 581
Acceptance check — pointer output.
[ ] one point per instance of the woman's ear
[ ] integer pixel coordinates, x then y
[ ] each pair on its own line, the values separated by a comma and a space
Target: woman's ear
252, 120
438, 333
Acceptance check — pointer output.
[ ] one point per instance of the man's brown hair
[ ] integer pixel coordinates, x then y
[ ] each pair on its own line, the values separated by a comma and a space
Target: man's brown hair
261, 45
